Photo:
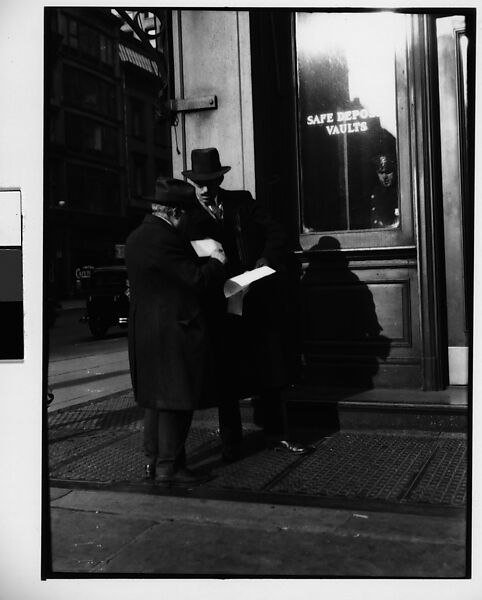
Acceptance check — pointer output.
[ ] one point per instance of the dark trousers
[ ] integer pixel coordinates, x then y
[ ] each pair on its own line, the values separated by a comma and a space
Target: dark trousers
230, 425
241, 364
269, 413
165, 433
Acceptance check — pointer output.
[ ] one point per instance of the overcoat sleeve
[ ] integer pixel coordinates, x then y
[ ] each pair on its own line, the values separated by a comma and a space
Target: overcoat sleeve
273, 246
177, 261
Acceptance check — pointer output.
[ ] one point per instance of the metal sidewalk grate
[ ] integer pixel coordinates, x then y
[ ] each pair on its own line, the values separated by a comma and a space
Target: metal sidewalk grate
111, 456
254, 473
445, 479
371, 466
103, 443
118, 413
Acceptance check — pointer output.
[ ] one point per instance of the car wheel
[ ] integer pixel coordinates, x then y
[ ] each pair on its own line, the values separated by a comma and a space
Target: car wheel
98, 328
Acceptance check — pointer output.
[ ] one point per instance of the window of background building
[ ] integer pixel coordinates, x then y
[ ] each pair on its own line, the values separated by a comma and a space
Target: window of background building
138, 175
72, 33
158, 128
89, 92
54, 184
105, 50
162, 129
54, 128
137, 120
89, 42
347, 121
163, 168
93, 190
87, 135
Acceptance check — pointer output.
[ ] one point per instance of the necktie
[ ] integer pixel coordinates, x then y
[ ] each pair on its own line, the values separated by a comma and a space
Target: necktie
216, 210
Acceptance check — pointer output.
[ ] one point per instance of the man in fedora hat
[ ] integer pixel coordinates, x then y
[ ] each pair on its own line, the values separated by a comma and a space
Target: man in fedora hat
255, 354
167, 337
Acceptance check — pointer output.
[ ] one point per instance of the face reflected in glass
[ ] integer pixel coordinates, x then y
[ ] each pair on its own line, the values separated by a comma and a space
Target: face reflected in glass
386, 178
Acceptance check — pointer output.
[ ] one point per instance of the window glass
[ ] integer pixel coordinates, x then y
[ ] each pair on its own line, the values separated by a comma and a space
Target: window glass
73, 33
88, 91
347, 120
86, 135
92, 190
137, 118
138, 174
89, 41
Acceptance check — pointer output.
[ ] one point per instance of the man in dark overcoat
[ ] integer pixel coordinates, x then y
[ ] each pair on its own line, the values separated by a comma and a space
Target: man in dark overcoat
168, 338
257, 351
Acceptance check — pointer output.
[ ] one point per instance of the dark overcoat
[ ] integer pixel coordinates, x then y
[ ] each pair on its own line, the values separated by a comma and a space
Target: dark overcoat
260, 349
383, 206
168, 339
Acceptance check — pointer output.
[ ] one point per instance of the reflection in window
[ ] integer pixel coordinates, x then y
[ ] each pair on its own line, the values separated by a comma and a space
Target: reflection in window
347, 120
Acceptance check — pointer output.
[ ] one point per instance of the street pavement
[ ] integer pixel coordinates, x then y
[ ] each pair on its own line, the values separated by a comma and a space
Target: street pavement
147, 531
82, 368
105, 521
76, 380
107, 532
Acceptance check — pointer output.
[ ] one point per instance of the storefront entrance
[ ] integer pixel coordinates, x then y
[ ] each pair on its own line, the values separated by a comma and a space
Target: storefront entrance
360, 124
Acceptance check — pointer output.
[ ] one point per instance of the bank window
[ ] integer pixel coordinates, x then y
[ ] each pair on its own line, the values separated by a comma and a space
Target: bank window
347, 121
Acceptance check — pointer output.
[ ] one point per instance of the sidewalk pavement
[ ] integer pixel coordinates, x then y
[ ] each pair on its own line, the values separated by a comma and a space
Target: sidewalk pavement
76, 380
363, 504
113, 533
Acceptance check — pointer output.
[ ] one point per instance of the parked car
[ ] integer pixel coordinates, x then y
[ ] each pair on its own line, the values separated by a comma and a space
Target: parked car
108, 299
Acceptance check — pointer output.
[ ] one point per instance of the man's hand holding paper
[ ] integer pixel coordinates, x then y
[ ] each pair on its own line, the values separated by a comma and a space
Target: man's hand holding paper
243, 281
206, 247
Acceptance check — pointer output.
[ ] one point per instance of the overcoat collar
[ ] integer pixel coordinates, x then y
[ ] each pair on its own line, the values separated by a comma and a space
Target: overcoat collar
162, 224
151, 219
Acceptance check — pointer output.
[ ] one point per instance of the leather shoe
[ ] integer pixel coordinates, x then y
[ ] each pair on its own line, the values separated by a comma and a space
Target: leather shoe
181, 476
292, 447
150, 471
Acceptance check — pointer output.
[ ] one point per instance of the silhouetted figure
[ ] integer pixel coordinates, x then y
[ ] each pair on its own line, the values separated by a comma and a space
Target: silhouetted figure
340, 315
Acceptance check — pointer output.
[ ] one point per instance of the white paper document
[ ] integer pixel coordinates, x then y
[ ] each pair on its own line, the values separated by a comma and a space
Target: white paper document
241, 282
237, 287
205, 247
235, 303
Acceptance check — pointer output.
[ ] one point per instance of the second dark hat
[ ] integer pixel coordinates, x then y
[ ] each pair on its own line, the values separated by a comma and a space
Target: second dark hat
174, 192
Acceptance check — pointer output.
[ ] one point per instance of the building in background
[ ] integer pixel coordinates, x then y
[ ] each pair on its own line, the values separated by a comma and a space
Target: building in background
105, 142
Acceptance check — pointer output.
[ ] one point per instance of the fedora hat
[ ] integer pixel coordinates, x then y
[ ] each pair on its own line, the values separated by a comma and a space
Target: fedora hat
173, 192
205, 165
